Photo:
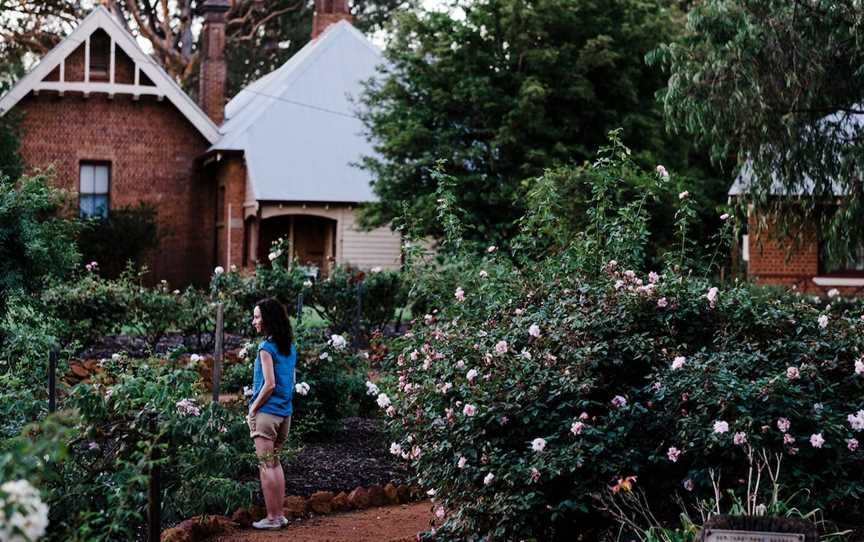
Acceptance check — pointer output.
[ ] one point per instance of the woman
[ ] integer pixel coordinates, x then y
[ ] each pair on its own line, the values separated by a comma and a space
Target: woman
270, 408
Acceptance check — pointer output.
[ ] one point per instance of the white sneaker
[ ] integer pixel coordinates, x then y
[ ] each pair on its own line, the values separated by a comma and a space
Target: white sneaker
266, 523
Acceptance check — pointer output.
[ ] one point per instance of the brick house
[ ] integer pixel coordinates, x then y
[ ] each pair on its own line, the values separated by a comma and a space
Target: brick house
284, 158
798, 259
117, 131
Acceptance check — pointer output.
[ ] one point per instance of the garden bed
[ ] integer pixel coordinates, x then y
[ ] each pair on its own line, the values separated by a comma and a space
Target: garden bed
356, 455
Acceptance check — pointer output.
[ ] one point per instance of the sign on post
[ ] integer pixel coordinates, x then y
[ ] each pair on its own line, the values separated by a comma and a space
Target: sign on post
721, 535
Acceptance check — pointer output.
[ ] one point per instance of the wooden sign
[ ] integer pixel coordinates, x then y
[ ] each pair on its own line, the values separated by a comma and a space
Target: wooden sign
721, 535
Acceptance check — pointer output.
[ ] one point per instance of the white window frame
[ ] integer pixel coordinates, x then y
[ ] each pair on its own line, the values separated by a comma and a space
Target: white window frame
94, 181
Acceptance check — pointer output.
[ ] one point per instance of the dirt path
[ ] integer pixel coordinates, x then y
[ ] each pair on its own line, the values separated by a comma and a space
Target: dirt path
387, 524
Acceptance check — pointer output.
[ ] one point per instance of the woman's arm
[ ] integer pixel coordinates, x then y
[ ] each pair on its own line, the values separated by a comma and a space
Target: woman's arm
269, 382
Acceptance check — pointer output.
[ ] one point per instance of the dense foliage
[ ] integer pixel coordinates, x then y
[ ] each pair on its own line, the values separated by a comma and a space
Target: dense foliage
35, 243
531, 391
127, 234
777, 83
506, 91
110, 429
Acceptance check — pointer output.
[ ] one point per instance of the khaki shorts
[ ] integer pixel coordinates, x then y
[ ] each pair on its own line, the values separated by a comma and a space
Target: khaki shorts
269, 426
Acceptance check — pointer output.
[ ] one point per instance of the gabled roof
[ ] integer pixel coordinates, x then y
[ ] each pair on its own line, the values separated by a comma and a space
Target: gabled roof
298, 125
165, 87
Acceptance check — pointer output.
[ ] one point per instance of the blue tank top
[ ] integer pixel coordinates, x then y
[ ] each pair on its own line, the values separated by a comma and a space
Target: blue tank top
279, 402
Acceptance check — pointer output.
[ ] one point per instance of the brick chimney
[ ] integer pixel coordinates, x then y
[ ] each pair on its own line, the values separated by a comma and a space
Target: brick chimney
213, 68
328, 12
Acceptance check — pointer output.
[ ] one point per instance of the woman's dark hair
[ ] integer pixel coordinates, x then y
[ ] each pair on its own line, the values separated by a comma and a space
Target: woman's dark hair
276, 325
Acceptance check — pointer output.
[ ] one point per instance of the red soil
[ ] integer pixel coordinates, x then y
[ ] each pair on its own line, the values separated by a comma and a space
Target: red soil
387, 524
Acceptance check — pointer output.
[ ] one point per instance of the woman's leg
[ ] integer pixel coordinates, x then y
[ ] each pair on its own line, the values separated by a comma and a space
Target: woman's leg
281, 437
272, 477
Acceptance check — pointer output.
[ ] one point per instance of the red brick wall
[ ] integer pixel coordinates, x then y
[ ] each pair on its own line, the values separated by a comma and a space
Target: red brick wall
151, 148
214, 69
320, 21
74, 70
230, 177
775, 260
124, 68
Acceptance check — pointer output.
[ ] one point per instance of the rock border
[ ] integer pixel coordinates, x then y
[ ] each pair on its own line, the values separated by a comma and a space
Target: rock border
320, 503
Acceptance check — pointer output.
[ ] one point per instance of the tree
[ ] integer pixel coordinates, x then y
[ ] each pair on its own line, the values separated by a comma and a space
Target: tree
260, 35
778, 84
508, 90
11, 165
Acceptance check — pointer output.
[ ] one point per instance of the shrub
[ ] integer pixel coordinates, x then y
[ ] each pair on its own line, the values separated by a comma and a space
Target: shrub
549, 384
239, 292
125, 237
35, 244
196, 318
152, 311
96, 482
336, 377
338, 297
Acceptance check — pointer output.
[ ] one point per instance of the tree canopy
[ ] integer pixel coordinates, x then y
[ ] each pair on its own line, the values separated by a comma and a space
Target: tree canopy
778, 84
508, 90
260, 36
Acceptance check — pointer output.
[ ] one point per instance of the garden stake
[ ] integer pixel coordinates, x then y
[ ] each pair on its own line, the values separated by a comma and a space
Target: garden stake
154, 500
299, 308
52, 380
217, 357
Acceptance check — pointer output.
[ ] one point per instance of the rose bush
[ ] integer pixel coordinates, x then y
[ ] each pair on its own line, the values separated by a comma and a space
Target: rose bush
535, 389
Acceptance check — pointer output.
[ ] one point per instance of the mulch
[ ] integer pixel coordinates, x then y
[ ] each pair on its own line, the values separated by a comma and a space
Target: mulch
356, 455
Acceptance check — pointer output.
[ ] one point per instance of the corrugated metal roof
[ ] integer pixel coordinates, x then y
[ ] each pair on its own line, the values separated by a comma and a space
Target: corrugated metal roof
298, 125
745, 179
843, 124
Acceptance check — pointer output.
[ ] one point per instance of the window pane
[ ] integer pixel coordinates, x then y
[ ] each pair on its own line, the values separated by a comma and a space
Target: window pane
87, 180
856, 262
100, 181
100, 205
86, 204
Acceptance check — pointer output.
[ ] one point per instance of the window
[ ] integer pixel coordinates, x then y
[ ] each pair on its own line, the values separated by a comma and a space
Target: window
93, 192
100, 55
852, 265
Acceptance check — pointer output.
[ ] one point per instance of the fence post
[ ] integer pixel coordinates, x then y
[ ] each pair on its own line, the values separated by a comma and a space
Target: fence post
154, 498
218, 354
299, 309
52, 380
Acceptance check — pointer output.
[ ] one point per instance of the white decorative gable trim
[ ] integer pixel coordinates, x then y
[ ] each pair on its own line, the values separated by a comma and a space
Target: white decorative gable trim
164, 87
